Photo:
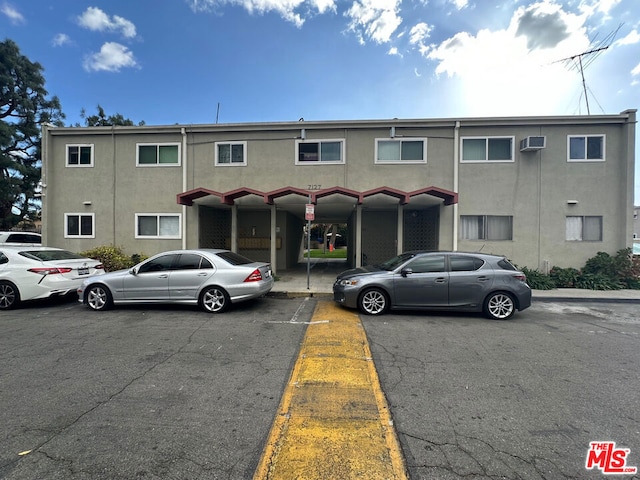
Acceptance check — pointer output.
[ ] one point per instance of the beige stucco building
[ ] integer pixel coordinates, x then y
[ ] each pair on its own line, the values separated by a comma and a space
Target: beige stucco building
543, 191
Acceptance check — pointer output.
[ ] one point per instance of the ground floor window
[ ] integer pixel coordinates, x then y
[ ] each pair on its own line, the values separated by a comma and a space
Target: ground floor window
158, 225
79, 225
486, 227
584, 229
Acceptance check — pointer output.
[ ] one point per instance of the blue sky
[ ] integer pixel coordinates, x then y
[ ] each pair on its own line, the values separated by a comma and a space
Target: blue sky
176, 61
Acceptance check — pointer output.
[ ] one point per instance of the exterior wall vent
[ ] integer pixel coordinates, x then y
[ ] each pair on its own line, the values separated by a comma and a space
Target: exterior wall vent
531, 144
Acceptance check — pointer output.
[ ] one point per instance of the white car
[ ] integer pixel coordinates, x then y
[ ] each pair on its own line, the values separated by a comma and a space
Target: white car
30, 273
20, 238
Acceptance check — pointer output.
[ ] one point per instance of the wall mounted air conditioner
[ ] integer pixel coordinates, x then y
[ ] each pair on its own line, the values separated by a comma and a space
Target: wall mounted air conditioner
531, 144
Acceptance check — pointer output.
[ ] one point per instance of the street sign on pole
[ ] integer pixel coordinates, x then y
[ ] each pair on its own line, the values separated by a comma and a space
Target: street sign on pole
309, 216
309, 212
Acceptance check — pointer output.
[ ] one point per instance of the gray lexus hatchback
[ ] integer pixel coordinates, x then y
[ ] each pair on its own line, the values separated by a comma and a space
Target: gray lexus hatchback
472, 282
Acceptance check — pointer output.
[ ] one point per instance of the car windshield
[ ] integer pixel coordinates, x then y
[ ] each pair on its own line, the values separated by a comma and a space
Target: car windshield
395, 262
50, 255
234, 258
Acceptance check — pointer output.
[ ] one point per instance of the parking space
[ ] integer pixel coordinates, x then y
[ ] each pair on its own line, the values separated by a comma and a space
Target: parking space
475, 398
142, 392
173, 392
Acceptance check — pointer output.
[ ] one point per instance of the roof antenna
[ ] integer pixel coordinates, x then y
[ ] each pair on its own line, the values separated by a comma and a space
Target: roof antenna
217, 113
593, 53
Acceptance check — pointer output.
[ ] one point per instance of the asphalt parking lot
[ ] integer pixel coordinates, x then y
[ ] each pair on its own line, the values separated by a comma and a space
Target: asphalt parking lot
172, 392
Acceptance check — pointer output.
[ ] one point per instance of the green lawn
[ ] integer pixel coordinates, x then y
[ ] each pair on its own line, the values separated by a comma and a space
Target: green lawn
317, 253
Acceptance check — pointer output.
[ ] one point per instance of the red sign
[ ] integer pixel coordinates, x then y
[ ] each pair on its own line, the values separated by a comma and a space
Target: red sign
309, 212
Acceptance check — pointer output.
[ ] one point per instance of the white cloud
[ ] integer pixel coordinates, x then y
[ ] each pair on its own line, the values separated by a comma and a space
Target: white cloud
419, 33
112, 57
95, 19
287, 9
459, 4
591, 7
636, 71
374, 19
60, 40
12, 13
515, 68
631, 39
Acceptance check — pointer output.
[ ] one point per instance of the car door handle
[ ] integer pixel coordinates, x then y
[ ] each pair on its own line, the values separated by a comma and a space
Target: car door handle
441, 280
203, 274
483, 279
163, 276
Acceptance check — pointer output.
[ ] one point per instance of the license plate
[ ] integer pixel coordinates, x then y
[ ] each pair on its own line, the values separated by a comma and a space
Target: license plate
83, 271
267, 274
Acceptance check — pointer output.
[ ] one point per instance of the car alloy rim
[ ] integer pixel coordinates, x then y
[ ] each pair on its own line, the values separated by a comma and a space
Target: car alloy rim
373, 302
97, 298
213, 300
500, 306
7, 296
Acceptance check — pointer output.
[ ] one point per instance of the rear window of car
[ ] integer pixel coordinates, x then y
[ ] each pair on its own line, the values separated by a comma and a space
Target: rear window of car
191, 261
234, 258
465, 264
506, 265
49, 255
23, 238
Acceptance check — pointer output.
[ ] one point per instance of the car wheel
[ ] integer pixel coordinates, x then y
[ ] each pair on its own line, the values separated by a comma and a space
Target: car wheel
373, 302
214, 300
499, 306
9, 296
98, 297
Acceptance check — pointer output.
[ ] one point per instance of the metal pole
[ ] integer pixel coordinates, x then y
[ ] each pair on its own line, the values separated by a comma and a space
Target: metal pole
308, 248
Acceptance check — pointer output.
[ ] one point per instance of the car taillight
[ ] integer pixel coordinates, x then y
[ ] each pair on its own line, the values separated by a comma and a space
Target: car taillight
522, 277
255, 276
50, 270
99, 267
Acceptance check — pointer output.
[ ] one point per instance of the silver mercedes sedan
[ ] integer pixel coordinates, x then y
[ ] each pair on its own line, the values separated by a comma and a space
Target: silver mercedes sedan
438, 281
210, 278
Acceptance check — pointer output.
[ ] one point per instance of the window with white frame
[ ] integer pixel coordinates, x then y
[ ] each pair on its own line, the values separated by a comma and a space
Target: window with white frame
319, 151
231, 153
80, 155
401, 150
585, 148
487, 149
584, 228
79, 225
486, 227
161, 154
158, 225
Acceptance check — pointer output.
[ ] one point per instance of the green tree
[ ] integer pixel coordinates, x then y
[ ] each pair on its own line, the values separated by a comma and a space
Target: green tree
24, 106
101, 119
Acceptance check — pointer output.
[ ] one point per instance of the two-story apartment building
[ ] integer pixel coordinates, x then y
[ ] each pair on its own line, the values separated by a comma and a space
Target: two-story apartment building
544, 191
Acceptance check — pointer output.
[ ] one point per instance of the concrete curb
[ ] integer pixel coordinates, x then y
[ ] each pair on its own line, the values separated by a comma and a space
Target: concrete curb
603, 297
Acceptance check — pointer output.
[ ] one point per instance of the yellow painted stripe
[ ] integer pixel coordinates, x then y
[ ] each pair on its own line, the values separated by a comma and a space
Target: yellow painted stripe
333, 421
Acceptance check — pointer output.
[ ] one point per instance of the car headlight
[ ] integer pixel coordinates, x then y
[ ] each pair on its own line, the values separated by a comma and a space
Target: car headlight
348, 282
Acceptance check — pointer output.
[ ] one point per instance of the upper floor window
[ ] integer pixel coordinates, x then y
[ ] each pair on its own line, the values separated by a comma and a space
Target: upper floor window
157, 225
584, 229
319, 151
486, 227
487, 149
586, 148
79, 155
405, 151
79, 225
158, 154
231, 153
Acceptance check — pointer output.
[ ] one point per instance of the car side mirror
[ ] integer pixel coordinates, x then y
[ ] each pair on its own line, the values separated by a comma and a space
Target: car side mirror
133, 271
405, 272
